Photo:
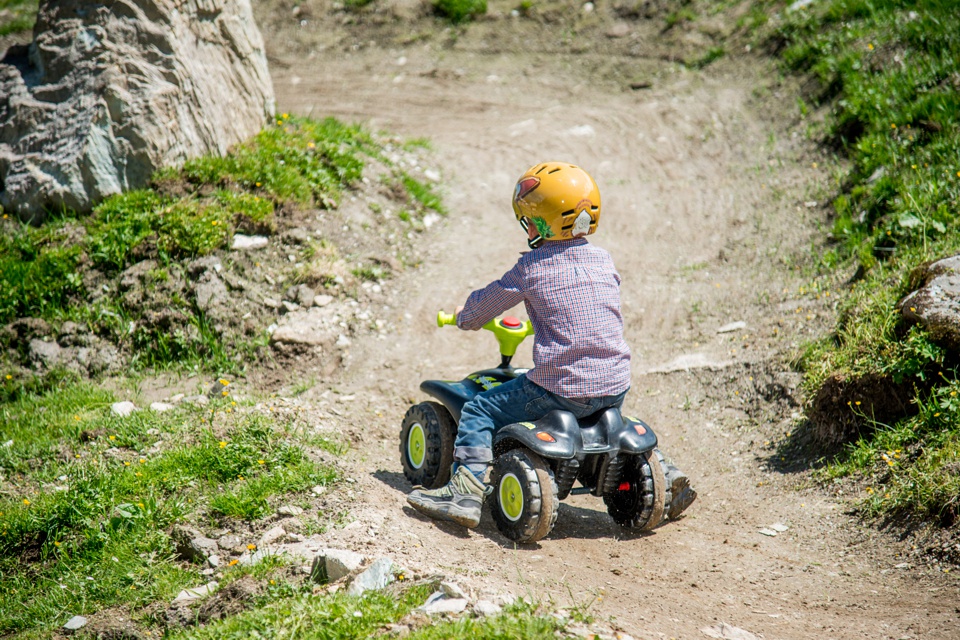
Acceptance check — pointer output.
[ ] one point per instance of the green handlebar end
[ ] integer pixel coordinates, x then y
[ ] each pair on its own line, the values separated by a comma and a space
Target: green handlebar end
446, 318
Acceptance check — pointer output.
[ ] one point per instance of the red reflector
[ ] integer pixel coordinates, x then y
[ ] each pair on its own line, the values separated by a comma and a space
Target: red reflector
640, 429
511, 323
624, 486
546, 437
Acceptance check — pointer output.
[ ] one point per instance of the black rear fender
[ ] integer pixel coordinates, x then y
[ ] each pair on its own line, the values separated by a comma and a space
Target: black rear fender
636, 436
555, 436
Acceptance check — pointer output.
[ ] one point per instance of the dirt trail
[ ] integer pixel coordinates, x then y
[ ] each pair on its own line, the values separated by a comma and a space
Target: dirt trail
703, 223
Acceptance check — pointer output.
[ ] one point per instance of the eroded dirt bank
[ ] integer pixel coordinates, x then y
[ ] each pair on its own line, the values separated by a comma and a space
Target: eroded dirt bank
706, 214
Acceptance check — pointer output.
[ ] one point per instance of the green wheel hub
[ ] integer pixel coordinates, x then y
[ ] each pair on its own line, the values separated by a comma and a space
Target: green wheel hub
511, 497
416, 446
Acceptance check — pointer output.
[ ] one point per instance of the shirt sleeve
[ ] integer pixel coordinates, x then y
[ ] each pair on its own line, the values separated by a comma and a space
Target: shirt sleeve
485, 304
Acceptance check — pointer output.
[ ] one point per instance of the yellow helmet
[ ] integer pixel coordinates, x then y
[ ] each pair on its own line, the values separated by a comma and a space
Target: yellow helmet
561, 199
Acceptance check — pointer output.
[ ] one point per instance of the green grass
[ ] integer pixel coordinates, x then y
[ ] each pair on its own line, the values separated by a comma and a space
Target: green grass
296, 161
459, 11
889, 81
20, 15
330, 617
86, 527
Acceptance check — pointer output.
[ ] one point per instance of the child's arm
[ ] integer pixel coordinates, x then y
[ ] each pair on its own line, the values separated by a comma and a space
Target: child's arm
485, 304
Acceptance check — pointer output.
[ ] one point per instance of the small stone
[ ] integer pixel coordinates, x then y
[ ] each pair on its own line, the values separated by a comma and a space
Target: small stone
318, 490
228, 542
486, 608
200, 400
189, 595
452, 590
191, 544
272, 536
779, 527
247, 243
289, 510
343, 341
733, 326
432, 175
438, 604
331, 565
160, 407
768, 532
289, 307
270, 303
619, 30
75, 623
123, 409
213, 561
322, 300
377, 576
724, 631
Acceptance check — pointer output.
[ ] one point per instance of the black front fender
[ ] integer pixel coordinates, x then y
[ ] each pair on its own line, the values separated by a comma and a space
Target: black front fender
560, 426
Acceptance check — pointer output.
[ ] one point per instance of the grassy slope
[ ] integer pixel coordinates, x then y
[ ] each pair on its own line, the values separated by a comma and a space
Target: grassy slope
889, 78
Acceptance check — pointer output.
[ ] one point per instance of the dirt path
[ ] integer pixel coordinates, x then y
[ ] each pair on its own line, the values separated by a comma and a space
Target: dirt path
704, 213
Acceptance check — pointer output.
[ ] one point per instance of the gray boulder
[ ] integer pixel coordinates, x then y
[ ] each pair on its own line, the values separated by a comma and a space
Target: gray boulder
107, 93
935, 301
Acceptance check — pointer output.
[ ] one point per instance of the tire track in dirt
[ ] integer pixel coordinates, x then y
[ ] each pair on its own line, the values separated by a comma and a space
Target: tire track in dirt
700, 241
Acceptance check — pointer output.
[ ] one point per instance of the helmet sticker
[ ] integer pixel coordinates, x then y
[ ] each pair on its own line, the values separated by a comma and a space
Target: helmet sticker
525, 186
543, 227
581, 226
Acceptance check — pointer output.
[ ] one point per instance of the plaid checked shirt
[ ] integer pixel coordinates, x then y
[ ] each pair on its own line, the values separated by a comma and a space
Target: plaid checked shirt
571, 291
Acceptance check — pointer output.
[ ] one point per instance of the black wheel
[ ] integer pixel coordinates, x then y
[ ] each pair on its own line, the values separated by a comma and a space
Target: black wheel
426, 444
640, 500
525, 499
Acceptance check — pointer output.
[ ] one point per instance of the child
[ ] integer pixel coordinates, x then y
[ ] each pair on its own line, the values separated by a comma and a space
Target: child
571, 292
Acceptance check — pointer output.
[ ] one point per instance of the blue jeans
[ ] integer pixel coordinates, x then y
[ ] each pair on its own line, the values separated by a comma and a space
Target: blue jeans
516, 401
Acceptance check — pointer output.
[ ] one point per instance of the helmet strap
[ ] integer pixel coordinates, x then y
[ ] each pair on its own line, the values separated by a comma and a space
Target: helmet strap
535, 241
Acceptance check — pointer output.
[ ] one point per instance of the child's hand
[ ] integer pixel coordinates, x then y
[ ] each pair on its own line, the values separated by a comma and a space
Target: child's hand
456, 312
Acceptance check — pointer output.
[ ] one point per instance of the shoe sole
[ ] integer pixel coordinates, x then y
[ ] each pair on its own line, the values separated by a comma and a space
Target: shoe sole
466, 517
683, 496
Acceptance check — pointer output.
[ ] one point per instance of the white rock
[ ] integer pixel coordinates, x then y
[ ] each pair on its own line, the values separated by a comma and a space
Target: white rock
247, 243
733, 326
343, 341
272, 535
452, 590
432, 174
768, 532
438, 604
189, 595
123, 409
487, 608
331, 565
289, 510
582, 131
377, 576
74, 623
160, 407
724, 631
779, 527
322, 300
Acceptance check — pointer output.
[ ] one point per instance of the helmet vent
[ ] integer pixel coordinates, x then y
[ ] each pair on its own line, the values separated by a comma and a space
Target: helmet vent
554, 170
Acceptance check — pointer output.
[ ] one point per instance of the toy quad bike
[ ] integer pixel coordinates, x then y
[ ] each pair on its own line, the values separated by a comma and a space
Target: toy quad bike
536, 463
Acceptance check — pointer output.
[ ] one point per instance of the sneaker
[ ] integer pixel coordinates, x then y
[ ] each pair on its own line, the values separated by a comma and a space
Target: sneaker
459, 501
682, 494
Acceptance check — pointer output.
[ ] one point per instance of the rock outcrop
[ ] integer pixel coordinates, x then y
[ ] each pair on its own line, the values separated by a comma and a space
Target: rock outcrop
935, 301
107, 93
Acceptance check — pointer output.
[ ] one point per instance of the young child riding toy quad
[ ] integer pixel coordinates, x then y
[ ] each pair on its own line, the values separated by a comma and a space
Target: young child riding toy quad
571, 292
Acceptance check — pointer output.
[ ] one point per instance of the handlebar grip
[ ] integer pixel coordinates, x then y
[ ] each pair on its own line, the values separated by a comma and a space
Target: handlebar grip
446, 318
